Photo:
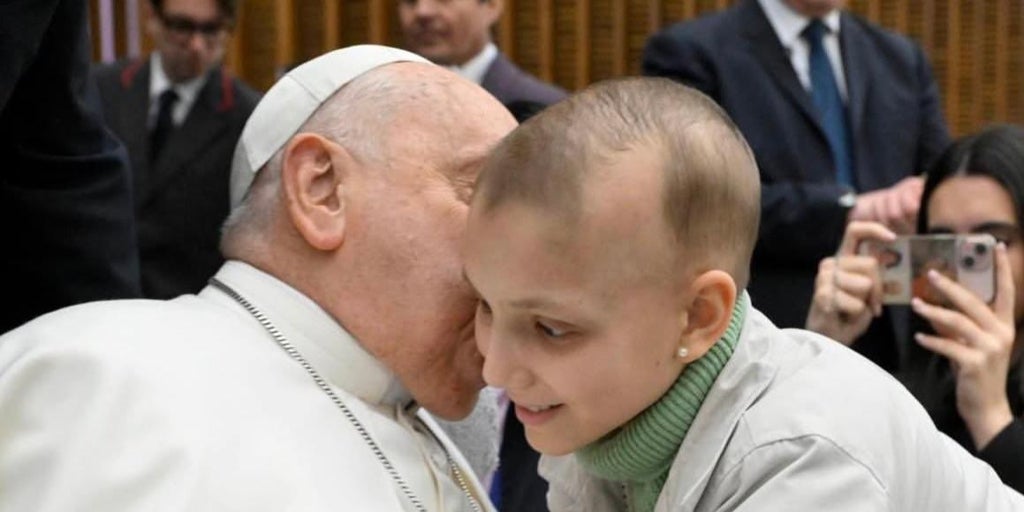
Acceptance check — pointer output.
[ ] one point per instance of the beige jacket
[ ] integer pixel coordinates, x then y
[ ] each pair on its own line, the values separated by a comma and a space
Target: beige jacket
797, 422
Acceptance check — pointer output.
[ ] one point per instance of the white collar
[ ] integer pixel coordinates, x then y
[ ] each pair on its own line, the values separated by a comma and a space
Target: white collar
788, 24
474, 69
158, 82
321, 340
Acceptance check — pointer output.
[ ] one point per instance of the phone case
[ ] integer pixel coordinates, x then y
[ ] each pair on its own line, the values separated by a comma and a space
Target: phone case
905, 262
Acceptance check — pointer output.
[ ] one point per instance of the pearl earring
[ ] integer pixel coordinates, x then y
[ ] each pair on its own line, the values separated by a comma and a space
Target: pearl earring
683, 352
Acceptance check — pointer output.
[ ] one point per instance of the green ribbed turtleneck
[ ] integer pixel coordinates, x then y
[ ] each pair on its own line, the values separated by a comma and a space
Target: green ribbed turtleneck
640, 453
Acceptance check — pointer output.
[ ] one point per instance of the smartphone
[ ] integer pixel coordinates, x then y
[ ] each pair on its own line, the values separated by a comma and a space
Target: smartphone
905, 262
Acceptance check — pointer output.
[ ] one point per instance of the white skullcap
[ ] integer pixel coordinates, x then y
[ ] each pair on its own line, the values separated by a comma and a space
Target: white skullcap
294, 98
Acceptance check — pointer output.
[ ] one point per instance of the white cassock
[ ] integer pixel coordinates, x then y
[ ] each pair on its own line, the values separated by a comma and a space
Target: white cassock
190, 405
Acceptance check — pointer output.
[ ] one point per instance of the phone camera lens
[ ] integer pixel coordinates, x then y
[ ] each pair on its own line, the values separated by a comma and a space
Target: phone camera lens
968, 261
980, 249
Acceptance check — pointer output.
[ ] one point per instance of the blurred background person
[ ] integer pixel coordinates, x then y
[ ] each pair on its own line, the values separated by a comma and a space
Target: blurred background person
179, 113
969, 377
841, 114
457, 34
65, 198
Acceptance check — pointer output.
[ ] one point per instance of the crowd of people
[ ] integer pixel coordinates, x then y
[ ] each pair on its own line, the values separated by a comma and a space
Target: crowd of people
421, 279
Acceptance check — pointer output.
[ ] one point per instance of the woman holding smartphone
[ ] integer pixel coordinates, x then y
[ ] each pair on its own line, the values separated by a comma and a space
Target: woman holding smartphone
970, 381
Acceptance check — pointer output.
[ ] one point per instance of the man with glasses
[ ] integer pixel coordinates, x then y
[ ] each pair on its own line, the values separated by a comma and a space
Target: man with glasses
179, 114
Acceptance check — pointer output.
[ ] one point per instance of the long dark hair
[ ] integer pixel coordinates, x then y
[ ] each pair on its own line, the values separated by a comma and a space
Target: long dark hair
996, 152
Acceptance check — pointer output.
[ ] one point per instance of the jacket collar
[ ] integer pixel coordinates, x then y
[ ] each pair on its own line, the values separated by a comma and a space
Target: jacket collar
159, 82
742, 381
789, 24
745, 377
204, 125
476, 68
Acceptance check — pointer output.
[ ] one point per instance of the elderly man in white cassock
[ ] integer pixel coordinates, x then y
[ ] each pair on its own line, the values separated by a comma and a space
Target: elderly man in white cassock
294, 381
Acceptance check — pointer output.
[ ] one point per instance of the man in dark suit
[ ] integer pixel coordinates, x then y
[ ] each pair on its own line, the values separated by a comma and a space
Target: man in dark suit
65, 198
180, 115
841, 115
457, 34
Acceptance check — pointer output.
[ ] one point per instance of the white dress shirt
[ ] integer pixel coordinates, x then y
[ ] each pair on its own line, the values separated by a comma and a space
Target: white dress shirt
474, 69
789, 24
158, 83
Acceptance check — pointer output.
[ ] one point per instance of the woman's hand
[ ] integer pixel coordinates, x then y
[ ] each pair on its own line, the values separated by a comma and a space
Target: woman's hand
848, 289
977, 340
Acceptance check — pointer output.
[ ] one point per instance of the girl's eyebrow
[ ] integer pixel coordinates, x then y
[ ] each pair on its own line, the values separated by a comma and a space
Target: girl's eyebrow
993, 226
980, 228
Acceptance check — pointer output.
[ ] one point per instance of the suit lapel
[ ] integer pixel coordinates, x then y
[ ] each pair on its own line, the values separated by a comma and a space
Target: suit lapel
134, 113
202, 126
498, 75
765, 45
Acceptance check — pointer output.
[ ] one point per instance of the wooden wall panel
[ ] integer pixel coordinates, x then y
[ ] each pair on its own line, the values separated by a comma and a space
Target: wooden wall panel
311, 30
569, 63
976, 46
526, 33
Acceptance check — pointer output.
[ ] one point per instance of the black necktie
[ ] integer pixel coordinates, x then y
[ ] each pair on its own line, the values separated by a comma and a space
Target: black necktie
164, 123
826, 96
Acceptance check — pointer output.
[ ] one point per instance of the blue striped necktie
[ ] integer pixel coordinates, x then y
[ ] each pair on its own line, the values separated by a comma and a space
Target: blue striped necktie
831, 109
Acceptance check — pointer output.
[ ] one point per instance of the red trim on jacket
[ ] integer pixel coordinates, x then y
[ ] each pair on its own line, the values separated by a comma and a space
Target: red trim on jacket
129, 72
227, 93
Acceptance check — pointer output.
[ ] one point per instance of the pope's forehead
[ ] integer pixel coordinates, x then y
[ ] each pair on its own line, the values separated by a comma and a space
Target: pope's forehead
456, 115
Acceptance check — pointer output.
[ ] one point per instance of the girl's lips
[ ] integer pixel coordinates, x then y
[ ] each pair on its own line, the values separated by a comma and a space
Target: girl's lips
534, 415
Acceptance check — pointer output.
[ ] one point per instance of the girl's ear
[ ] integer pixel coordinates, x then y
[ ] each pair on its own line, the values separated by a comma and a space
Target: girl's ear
705, 321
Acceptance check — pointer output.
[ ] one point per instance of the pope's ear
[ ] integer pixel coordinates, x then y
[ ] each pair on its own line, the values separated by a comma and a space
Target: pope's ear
312, 173
714, 295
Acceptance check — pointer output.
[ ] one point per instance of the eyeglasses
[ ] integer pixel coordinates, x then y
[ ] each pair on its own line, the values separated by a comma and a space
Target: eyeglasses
181, 28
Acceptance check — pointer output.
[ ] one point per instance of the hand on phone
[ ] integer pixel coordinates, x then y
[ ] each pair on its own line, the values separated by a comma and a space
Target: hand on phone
906, 261
896, 207
848, 287
977, 339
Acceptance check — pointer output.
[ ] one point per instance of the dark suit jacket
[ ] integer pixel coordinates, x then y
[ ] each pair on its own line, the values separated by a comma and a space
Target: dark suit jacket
897, 126
181, 201
510, 84
65, 199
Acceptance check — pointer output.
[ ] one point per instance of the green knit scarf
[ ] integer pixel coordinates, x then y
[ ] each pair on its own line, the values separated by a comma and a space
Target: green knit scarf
640, 453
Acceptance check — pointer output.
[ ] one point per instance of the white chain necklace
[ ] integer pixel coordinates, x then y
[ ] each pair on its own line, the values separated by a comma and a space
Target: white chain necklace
349, 415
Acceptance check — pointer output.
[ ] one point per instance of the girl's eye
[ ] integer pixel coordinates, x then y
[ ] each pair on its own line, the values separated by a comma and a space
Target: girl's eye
549, 331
